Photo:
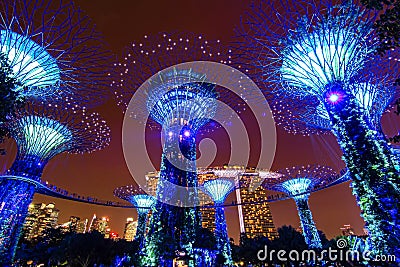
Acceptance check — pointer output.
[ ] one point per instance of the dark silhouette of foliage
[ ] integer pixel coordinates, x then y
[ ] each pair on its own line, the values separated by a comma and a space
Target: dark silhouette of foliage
9, 98
388, 24
205, 239
72, 249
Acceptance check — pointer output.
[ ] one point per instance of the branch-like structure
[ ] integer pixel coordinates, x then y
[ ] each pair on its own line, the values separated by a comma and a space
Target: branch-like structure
318, 59
218, 190
53, 49
42, 131
298, 182
181, 100
143, 202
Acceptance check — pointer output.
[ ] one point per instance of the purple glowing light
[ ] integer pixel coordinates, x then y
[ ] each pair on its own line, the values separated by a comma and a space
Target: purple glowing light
186, 133
170, 134
334, 97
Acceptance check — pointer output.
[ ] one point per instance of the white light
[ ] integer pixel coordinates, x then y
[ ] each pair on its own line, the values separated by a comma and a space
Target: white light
321, 58
32, 65
42, 136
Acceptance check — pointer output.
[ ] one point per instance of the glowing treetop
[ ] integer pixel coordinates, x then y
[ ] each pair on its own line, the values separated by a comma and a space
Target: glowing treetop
45, 130
297, 183
137, 196
53, 49
308, 49
218, 189
181, 97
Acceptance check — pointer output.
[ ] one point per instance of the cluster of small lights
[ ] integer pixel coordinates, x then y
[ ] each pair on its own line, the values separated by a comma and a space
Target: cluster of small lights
228, 173
265, 174
301, 179
157, 52
299, 117
36, 38
218, 189
44, 130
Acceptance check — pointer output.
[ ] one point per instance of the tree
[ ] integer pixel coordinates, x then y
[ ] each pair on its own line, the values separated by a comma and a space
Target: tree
388, 24
10, 98
205, 239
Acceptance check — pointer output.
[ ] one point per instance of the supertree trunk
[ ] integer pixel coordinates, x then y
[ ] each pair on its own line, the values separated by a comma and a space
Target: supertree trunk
221, 236
15, 197
173, 228
310, 231
374, 171
141, 228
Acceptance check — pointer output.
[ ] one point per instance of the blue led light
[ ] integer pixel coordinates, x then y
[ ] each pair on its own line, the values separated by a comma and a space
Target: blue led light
218, 189
32, 65
143, 202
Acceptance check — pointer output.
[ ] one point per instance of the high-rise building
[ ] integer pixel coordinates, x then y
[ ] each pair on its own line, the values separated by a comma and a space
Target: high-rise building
41, 217
82, 226
130, 229
347, 230
100, 225
75, 224
255, 220
207, 214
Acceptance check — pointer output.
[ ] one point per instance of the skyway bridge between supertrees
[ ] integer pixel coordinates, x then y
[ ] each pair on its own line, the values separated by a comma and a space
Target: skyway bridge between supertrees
47, 189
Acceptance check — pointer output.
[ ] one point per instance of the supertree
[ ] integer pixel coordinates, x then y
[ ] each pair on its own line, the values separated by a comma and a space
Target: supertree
218, 190
53, 48
41, 132
318, 61
298, 182
143, 202
181, 101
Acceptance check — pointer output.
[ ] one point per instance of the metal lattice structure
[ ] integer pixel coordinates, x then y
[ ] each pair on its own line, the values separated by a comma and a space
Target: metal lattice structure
143, 202
297, 182
41, 131
53, 48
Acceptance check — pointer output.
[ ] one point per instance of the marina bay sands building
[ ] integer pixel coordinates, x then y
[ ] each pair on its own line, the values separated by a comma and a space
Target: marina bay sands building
254, 220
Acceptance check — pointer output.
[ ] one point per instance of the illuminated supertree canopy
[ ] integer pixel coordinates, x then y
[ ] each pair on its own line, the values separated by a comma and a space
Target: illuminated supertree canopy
42, 131
297, 182
218, 190
54, 49
181, 100
143, 202
317, 61
191, 103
